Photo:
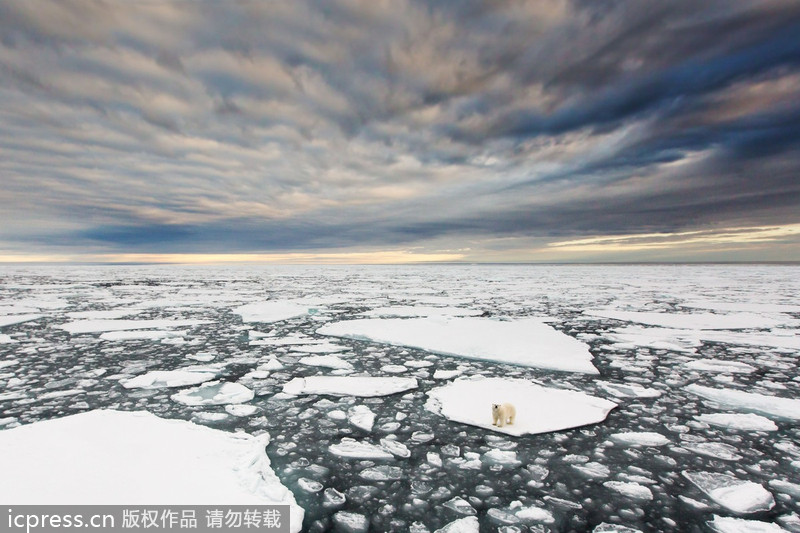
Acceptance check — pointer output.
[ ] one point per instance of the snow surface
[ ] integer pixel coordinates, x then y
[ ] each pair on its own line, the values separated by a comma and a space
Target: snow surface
349, 385
750, 402
136, 458
528, 342
469, 401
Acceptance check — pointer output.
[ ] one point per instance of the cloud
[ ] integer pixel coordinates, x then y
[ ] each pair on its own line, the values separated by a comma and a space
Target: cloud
252, 128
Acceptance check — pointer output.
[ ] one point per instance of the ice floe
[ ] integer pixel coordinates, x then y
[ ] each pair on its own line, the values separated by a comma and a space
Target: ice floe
9, 320
158, 379
628, 390
750, 402
361, 417
349, 385
720, 365
469, 401
140, 335
214, 393
354, 449
736, 495
271, 311
420, 311
528, 342
629, 489
729, 524
639, 438
738, 421
326, 361
162, 462
468, 524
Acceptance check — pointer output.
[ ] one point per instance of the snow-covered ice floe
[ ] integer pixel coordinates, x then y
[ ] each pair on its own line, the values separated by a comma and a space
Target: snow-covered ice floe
415, 311
736, 495
99, 326
109, 457
469, 401
9, 320
271, 311
158, 379
140, 335
727, 524
720, 365
640, 438
349, 385
750, 402
216, 393
528, 342
628, 390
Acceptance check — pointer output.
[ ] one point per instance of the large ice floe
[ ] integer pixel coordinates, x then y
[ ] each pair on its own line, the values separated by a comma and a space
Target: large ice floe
539, 409
738, 421
737, 495
528, 342
110, 457
728, 524
349, 385
272, 311
9, 320
750, 402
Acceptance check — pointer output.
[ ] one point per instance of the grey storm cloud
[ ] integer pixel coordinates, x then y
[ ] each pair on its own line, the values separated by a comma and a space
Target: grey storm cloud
259, 126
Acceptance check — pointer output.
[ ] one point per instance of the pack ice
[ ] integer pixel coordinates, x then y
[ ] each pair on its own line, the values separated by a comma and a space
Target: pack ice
108, 457
349, 385
469, 401
528, 342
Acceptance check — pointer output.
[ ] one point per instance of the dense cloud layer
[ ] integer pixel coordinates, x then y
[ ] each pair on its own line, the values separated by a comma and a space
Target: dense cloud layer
222, 127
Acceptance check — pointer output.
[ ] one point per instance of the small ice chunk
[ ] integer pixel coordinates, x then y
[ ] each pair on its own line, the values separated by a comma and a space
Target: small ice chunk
468, 524
629, 489
333, 498
605, 527
628, 390
720, 365
214, 393
434, 459
727, 524
350, 522
202, 356
349, 385
309, 485
326, 361
158, 379
397, 449
734, 494
501, 457
361, 417
640, 438
382, 473
271, 311
447, 374
352, 448
534, 514
718, 450
593, 470
241, 409
739, 421
461, 506
394, 369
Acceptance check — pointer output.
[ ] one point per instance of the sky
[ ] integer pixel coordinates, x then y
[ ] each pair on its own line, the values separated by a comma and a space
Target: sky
399, 131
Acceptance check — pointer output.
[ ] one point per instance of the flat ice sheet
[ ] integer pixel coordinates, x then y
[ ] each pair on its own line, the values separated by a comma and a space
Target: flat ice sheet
469, 401
527, 342
411, 311
271, 311
98, 326
158, 379
136, 458
750, 402
9, 320
349, 385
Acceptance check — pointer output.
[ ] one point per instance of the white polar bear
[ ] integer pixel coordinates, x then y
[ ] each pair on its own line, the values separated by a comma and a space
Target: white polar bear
503, 414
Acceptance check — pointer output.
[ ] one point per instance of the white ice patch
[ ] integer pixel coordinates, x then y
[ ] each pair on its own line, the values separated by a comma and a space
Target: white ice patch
321, 347
349, 385
628, 390
99, 315
98, 326
693, 320
8, 320
639, 438
326, 361
5, 339
468, 524
469, 401
528, 342
750, 402
216, 393
720, 365
736, 495
165, 462
727, 524
271, 311
717, 450
629, 489
354, 449
361, 417
739, 421
158, 379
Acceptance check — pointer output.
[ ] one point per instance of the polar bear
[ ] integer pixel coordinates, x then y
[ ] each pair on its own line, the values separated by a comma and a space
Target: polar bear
502, 414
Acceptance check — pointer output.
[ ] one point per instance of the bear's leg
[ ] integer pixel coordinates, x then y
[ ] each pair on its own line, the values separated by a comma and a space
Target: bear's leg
511, 418
502, 421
